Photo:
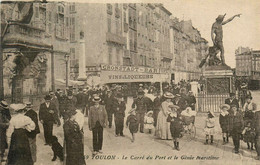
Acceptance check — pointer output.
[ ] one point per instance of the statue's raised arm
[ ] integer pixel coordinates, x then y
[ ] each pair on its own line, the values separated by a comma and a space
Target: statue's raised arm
230, 19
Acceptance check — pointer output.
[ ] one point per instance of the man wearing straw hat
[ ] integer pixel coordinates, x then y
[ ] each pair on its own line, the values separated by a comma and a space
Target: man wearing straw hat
4, 123
97, 121
32, 135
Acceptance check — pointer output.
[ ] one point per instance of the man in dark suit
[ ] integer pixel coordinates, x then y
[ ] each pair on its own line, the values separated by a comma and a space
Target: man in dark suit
232, 100
119, 109
141, 105
32, 135
109, 101
48, 116
181, 102
81, 100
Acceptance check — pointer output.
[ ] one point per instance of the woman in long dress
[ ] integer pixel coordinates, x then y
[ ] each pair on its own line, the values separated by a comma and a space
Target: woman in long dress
74, 137
162, 130
19, 151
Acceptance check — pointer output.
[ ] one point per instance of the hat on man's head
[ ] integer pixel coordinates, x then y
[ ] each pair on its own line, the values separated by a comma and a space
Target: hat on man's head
28, 104
51, 93
58, 90
178, 95
225, 106
119, 95
69, 93
17, 107
96, 99
232, 94
3, 104
168, 95
80, 89
47, 98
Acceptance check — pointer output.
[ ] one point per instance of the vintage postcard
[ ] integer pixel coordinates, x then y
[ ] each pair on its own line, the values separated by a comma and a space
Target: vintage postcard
129, 82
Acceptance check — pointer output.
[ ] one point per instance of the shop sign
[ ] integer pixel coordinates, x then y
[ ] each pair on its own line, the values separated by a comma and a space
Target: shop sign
136, 69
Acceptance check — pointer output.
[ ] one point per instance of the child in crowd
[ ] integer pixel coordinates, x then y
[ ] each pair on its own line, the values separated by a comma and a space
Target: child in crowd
132, 123
149, 121
249, 135
175, 125
224, 122
209, 127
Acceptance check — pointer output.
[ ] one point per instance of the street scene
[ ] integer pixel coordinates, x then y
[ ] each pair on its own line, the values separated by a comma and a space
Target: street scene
129, 83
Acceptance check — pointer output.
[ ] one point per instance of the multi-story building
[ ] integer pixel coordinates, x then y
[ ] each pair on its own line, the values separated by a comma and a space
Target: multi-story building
119, 35
34, 51
188, 49
248, 63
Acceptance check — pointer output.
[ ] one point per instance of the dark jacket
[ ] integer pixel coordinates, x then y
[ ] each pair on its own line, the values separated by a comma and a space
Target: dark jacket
256, 123
191, 100
33, 115
81, 100
46, 116
74, 143
119, 109
157, 104
182, 103
109, 101
97, 114
233, 102
140, 104
236, 122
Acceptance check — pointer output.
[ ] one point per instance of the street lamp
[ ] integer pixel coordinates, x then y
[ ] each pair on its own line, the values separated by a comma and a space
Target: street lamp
67, 72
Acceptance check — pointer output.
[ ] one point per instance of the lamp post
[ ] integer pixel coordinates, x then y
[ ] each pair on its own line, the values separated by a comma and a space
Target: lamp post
67, 69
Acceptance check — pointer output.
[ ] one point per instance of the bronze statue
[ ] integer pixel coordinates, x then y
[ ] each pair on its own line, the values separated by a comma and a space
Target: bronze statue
217, 41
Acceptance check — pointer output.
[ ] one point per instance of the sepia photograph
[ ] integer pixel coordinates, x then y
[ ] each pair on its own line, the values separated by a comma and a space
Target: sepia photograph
118, 82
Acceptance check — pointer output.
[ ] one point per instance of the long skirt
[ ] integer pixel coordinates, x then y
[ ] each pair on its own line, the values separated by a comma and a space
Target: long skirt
162, 130
19, 152
3, 140
33, 148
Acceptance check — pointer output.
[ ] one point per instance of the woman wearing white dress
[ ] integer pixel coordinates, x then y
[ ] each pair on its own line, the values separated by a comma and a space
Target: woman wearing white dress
19, 151
162, 130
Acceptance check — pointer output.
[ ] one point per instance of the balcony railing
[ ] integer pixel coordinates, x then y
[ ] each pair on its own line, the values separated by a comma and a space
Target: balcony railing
110, 37
21, 33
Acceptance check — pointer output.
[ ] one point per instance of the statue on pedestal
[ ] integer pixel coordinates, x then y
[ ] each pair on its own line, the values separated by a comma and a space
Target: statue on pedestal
217, 41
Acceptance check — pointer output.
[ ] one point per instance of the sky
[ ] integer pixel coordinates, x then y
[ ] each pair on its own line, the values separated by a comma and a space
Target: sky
243, 31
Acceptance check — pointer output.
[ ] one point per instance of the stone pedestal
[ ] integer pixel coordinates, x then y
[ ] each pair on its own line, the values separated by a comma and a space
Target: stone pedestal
219, 80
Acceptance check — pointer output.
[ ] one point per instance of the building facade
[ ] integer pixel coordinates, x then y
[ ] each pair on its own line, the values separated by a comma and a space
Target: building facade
33, 52
248, 63
188, 48
119, 35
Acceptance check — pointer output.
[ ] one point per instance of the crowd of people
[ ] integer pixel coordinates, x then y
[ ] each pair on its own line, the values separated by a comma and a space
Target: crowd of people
161, 114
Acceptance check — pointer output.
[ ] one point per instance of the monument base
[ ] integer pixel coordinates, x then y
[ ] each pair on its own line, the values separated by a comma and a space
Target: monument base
219, 79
